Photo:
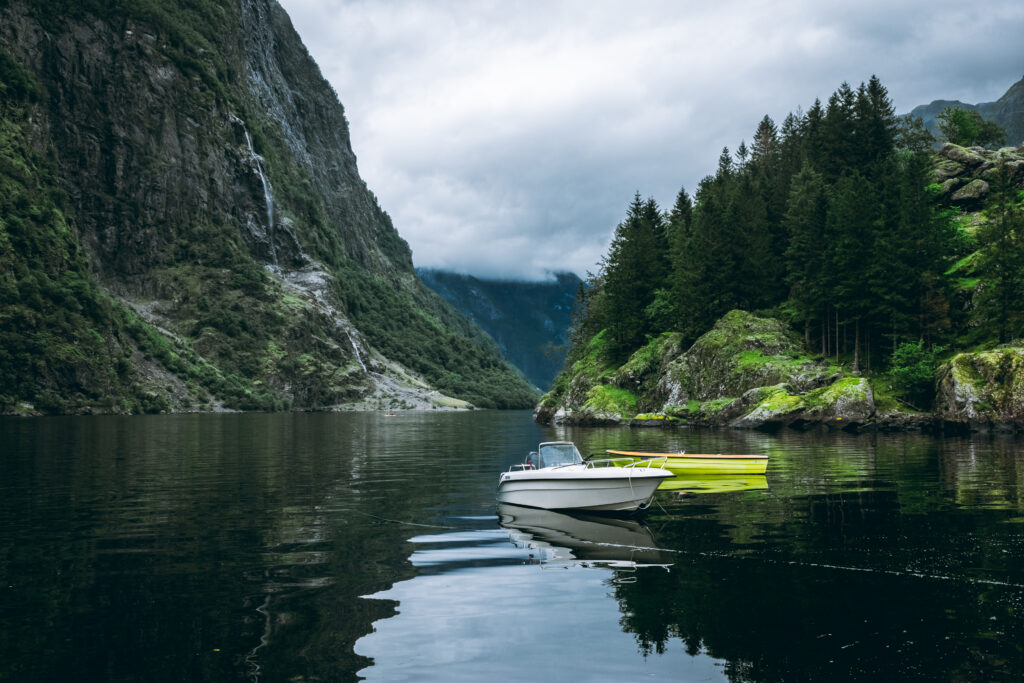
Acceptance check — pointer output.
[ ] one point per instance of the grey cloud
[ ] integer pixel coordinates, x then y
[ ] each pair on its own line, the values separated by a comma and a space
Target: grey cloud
507, 139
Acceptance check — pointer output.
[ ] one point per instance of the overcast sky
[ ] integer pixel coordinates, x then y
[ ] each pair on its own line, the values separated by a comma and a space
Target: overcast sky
506, 139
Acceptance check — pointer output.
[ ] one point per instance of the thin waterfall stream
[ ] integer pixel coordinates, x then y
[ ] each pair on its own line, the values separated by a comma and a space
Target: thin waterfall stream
268, 196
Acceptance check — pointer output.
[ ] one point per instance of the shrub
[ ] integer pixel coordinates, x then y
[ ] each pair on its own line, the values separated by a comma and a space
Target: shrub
912, 371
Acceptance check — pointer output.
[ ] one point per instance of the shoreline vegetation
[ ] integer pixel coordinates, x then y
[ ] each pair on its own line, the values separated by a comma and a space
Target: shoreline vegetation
844, 270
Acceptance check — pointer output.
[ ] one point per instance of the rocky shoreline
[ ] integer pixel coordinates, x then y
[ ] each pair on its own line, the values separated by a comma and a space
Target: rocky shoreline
750, 372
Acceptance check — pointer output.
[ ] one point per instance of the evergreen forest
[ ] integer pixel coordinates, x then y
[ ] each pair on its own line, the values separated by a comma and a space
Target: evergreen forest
831, 222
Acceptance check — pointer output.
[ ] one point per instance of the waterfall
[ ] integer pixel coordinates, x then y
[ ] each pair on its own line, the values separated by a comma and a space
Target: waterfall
268, 197
355, 347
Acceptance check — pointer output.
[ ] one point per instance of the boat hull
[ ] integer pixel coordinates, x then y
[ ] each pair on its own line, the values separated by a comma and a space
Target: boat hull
612, 489
686, 464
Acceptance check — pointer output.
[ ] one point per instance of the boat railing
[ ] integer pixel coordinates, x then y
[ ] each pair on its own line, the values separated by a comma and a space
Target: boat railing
648, 463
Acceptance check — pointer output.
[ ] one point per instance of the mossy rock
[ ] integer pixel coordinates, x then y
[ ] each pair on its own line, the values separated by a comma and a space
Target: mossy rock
963, 155
847, 403
982, 388
849, 400
649, 361
654, 420
609, 403
972, 192
768, 406
947, 169
742, 352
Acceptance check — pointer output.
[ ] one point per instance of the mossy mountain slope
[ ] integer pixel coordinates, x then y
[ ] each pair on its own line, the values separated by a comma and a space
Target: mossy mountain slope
184, 226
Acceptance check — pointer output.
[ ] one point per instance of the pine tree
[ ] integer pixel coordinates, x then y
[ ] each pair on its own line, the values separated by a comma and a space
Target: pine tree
850, 232
805, 256
838, 146
756, 282
705, 272
679, 232
636, 267
879, 123
742, 154
911, 255
766, 142
1002, 262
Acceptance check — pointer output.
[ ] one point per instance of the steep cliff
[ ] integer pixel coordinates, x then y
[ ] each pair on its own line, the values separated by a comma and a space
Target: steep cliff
187, 227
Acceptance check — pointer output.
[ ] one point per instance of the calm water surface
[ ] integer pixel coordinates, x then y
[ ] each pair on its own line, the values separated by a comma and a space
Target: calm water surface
325, 547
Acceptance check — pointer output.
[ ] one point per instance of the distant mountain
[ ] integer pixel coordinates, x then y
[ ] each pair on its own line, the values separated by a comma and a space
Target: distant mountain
529, 320
1007, 111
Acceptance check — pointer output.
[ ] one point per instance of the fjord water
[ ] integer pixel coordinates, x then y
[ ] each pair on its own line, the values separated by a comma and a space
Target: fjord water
301, 547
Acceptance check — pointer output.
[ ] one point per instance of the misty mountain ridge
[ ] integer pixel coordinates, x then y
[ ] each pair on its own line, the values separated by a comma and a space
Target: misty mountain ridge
1007, 111
528, 320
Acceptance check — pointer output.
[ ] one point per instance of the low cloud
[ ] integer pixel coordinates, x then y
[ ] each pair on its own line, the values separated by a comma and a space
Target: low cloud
507, 139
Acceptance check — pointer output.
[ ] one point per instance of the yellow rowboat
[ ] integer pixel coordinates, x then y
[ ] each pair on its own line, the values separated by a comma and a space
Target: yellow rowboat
715, 483
702, 463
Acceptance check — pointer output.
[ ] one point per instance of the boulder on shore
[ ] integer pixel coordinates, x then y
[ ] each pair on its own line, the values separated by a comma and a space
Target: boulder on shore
982, 390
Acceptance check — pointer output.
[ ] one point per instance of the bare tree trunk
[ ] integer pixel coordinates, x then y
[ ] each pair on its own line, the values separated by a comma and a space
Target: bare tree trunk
856, 347
867, 337
837, 336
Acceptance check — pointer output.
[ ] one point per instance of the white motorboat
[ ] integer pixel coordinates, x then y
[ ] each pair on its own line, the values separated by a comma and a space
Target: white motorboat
556, 477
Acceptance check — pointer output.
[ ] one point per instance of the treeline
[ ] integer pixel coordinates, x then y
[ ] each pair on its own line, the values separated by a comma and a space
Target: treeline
830, 222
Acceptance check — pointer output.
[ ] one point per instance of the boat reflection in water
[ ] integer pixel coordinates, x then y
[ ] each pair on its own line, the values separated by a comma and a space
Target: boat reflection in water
575, 539
721, 483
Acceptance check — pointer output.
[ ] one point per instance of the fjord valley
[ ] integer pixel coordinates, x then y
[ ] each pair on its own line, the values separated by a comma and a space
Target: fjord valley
846, 268
183, 227
529, 320
184, 232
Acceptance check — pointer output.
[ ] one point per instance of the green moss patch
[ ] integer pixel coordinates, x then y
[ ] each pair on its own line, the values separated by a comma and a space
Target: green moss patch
606, 398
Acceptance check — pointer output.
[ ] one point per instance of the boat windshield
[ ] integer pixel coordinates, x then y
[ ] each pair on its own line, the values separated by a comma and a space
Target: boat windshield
555, 454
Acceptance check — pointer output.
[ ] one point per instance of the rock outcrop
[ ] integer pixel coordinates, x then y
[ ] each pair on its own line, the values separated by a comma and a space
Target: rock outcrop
965, 174
982, 390
741, 352
747, 372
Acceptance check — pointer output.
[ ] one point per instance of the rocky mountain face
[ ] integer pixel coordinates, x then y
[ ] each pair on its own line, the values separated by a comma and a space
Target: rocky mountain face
185, 227
528, 320
1007, 111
